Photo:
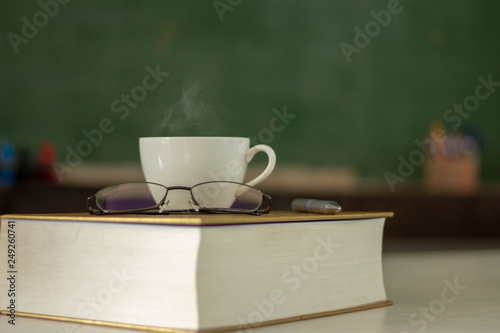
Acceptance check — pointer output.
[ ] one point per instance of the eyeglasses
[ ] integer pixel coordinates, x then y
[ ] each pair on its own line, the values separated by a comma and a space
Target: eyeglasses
213, 196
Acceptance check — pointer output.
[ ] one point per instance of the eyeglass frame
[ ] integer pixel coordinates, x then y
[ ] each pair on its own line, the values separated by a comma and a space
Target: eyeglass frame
259, 211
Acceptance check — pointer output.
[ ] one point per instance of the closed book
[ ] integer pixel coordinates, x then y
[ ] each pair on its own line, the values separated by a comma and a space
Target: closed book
191, 272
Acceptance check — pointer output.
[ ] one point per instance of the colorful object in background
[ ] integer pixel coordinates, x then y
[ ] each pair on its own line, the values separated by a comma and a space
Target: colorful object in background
452, 163
7, 163
47, 154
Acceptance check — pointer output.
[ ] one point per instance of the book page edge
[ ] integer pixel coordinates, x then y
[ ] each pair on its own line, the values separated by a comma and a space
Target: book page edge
208, 330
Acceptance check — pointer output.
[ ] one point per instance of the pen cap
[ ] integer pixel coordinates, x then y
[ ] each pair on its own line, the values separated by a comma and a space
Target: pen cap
300, 204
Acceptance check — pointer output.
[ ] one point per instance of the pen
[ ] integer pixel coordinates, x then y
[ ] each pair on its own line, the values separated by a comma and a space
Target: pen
315, 206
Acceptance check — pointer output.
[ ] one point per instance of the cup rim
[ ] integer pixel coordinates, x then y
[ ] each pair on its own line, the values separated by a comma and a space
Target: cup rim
192, 137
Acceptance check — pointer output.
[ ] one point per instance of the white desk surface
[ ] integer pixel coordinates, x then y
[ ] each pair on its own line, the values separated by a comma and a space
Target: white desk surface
416, 281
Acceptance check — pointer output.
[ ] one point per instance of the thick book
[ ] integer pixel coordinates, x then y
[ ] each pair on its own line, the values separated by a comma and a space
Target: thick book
190, 272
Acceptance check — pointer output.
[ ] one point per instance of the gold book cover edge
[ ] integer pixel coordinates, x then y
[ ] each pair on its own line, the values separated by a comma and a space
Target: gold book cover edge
201, 219
209, 330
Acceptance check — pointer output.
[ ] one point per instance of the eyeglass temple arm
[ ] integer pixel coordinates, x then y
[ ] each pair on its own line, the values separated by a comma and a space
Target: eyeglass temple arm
265, 206
91, 201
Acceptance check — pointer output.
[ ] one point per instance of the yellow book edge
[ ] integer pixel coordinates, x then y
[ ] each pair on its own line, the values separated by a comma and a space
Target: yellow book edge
210, 330
200, 219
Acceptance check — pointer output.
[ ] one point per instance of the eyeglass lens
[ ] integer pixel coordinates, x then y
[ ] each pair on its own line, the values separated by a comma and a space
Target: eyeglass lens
227, 195
131, 196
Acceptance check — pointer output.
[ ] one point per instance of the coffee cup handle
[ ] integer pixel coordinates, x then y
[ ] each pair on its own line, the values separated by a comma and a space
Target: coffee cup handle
270, 165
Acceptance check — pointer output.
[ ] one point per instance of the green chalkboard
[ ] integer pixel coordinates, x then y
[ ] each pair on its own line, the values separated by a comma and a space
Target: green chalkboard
91, 76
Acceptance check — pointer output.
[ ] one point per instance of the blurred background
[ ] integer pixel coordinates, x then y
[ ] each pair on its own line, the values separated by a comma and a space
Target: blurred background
380, 105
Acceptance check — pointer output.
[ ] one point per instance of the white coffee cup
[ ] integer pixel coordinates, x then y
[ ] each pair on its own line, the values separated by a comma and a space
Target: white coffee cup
187, 161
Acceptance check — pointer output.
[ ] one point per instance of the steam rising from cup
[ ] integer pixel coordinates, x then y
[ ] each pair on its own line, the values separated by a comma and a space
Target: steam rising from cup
189, 114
